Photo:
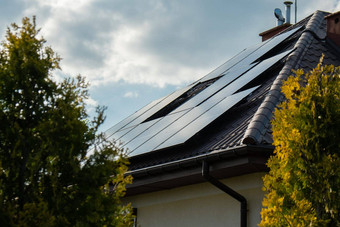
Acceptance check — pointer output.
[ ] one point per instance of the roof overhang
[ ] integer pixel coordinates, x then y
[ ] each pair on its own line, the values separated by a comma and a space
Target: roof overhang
225, 163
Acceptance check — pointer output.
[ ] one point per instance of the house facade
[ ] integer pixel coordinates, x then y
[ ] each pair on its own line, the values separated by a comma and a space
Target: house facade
199, 154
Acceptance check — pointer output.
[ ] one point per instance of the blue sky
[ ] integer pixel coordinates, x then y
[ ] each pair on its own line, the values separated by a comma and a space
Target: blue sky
134, 51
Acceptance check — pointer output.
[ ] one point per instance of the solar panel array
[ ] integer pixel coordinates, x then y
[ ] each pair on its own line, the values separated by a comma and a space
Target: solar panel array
249, 55
140, 133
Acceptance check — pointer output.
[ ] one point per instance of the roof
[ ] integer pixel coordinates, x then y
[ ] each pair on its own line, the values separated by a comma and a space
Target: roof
225, 116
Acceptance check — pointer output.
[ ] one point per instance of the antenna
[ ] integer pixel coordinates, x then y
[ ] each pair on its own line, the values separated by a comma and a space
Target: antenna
295, 11
279, 16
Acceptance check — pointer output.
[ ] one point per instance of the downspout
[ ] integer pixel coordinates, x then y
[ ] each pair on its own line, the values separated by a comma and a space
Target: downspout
226, 189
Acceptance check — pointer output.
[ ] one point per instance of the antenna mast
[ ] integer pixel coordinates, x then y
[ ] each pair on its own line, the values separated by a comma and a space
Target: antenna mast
295, 11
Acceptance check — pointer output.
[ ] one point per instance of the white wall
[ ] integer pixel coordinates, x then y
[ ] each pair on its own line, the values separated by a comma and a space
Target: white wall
200, 204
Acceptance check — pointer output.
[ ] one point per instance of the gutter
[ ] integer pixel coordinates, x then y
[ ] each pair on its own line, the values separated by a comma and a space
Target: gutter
229, 191
242, 150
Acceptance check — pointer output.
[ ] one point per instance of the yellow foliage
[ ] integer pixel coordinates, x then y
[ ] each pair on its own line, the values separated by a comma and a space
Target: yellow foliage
302, 187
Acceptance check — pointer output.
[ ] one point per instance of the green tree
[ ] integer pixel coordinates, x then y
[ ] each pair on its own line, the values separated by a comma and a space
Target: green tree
303, 185
55, 168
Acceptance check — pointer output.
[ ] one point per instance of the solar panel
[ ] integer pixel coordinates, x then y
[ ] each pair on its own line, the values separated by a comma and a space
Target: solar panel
212, 89
255, 72
230, 63
205, 119
127, 134
141, 136
147, 111
191, 123
249, 55
157, 126
231, 76
163, 129
273, 42
165, 122
120, 125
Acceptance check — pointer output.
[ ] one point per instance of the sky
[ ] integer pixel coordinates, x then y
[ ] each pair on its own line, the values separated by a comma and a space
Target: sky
133, 52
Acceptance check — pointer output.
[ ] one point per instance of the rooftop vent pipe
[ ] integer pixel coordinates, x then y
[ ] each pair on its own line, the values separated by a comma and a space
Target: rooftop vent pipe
288, 3
281, 25
279, 16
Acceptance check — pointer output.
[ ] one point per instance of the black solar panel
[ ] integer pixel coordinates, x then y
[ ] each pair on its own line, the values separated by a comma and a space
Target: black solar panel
204, 119
249, 55
156, 127
144, 113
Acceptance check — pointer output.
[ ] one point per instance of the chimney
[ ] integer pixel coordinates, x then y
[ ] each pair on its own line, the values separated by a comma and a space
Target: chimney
280, 22
333, 27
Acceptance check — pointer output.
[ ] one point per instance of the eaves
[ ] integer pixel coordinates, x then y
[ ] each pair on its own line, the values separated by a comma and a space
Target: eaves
224, 163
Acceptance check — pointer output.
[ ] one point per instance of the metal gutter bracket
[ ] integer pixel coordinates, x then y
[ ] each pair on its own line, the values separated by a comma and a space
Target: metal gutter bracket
226, 189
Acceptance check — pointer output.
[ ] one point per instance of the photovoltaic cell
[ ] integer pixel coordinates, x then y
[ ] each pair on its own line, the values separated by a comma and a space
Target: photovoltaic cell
232, 62
165, 124
127, 134
141, 136
212, 89
249, 55
120, 125
181, 122
205, 119
154, 129
191, 123
147, 111
255, 72
273, 42
236, 84
168, 126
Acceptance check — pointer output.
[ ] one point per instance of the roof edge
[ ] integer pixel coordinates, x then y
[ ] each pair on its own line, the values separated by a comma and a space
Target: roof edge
254, 135
217, 154
332, 14
226, 163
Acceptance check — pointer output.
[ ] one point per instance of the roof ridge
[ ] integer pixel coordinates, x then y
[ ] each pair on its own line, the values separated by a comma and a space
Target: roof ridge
257, 126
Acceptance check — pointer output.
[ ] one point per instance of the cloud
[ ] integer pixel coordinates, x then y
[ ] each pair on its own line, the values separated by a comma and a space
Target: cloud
151, 42
158, 43
131, 94
91, 102
91, 106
